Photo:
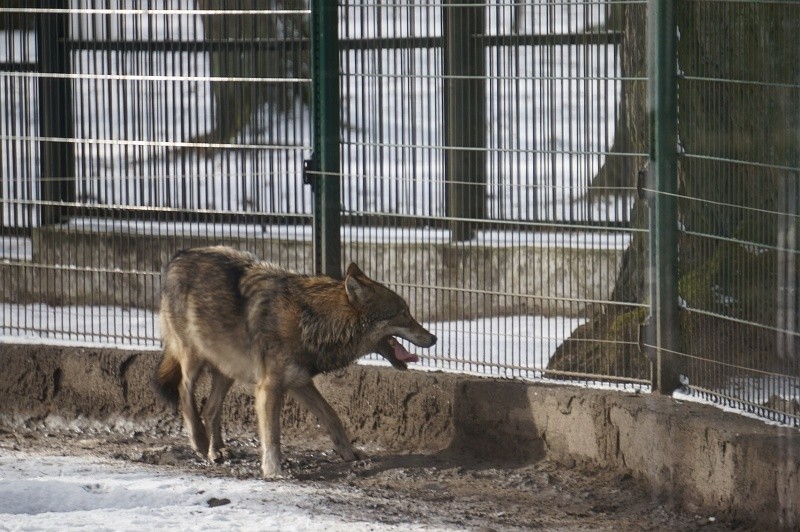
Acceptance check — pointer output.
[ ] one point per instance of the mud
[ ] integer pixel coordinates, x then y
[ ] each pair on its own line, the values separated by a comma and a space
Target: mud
443, 449
392, 486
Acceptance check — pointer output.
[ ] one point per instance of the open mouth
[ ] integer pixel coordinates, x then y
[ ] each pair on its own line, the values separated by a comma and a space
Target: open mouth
400, 352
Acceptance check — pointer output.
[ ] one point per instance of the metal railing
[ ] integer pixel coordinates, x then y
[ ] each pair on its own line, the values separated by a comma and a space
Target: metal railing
484, 159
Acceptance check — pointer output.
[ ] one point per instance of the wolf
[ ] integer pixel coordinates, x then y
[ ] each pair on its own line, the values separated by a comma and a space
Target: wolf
247, 320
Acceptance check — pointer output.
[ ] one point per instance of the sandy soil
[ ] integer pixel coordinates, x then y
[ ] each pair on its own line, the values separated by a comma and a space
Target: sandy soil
437, 489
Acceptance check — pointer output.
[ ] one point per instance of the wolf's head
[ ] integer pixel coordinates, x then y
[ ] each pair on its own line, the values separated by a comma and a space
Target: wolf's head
387, 316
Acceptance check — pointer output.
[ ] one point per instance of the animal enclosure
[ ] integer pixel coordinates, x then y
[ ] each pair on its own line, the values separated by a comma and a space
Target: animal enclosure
558, 192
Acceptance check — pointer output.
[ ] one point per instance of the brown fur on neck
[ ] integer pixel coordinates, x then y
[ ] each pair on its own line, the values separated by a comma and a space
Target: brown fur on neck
329, 327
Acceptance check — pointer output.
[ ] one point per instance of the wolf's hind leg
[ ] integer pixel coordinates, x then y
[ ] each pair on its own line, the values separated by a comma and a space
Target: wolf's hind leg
191, 419
269, 400
212, 414
309, 396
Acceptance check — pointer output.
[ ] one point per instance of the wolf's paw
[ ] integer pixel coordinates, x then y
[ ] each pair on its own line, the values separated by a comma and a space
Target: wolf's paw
200, 446
273, 474
219, 456
271, 467
201, 454
352, 455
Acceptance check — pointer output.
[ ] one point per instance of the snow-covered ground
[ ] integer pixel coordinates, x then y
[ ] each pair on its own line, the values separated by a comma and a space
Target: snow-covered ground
518, 346
49, 493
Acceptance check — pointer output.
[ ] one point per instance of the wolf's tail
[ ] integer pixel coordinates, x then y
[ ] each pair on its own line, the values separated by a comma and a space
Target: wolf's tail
168, 378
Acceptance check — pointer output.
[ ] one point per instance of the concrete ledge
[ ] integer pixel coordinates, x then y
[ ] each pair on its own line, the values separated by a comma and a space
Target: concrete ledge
706, 460
118, 265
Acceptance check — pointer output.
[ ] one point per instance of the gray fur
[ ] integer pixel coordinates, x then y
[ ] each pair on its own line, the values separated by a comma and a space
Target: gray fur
255, 322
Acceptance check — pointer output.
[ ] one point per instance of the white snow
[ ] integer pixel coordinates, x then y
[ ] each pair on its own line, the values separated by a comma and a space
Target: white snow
509, 346
49, 493
78, 325
749, 388
13, 248
512, 346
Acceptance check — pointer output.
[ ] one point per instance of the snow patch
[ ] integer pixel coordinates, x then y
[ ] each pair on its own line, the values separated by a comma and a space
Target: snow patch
42, 492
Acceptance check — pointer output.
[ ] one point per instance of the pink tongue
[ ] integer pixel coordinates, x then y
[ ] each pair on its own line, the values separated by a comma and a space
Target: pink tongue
402, 354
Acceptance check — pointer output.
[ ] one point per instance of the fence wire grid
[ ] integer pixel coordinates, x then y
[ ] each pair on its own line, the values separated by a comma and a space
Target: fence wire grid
491, 172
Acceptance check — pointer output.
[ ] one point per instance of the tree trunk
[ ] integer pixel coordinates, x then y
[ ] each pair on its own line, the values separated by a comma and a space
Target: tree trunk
275, 56
740, 141
605, 344
618, 171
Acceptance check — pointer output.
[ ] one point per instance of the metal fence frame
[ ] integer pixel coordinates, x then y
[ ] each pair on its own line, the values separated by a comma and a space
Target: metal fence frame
450, 244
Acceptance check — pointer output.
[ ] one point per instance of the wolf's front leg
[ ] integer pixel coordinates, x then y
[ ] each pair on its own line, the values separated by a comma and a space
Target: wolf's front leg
269, 400
309, 396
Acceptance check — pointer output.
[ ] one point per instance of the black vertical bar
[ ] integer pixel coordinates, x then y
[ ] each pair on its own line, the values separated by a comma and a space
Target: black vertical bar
325, 174
56, 152
465, 126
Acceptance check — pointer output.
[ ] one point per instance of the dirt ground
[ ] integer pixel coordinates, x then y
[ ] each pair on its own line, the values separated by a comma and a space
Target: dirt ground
434, 488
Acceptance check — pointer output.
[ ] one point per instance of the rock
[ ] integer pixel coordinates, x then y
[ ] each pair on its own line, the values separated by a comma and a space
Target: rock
213, 502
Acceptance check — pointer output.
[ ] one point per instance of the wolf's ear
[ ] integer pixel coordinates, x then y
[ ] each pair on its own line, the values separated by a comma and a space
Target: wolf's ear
356, 285
354, 271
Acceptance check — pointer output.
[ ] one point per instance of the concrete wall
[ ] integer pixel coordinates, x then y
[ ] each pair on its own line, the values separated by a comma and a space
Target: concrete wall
708, 461
96, 267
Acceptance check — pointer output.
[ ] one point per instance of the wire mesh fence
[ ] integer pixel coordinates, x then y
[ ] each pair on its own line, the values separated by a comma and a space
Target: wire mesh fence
133, 129
529, 93
472, 133
490, 173
739, 165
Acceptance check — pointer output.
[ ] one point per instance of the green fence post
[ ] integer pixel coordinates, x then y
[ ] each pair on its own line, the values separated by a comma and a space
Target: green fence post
663, 109
324, 167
